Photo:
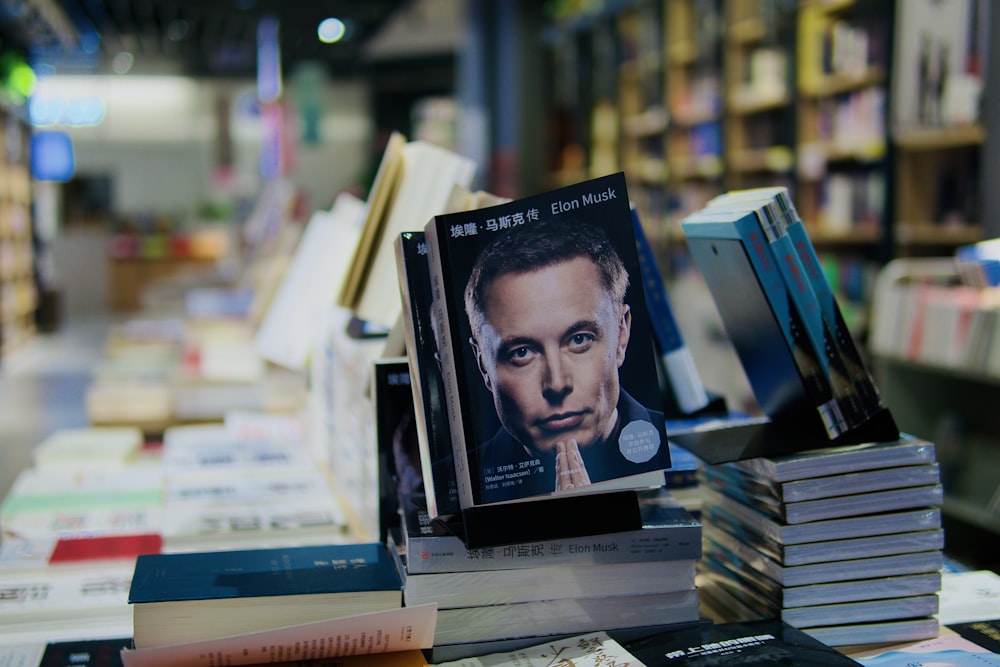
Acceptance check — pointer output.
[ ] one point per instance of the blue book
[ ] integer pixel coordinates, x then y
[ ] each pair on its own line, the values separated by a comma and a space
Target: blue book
791, 228
188, 597
681, 371
741, 226
819, 326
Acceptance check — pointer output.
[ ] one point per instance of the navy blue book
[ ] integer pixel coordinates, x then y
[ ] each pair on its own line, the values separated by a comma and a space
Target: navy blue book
187, 597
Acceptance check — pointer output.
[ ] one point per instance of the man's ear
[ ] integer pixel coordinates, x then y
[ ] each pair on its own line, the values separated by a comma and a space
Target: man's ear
624, 331
482, 365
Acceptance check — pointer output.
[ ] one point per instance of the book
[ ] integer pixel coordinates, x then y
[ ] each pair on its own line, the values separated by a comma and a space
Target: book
723, 510
985, 633
668, 532
731, 574
856, 504
425, 176
310, 283
819, 330
590, 650
730, 477
52, 597
850, 634
85, 653
840, 459
544, 364
969, 596
786, 371
682, 375
475, 588
947, 648
719, 545
89, 447
187, 597
570, 615
433, 430
763, 642
790, 225
399, 478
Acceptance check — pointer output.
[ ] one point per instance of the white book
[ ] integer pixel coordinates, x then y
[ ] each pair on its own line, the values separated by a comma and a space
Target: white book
88, 447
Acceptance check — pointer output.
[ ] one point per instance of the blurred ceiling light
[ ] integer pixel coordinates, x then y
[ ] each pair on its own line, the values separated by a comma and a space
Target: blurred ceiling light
331, 30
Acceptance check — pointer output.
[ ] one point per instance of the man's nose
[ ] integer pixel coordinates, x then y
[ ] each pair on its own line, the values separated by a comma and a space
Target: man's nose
558, 378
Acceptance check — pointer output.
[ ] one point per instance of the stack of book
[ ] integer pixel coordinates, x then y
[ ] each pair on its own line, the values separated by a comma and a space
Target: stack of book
842, 542
226, 489
512, 595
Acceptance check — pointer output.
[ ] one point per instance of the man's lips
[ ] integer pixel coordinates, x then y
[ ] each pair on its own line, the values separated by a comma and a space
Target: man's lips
561, 422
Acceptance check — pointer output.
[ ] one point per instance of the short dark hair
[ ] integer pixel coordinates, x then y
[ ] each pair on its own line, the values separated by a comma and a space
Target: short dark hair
539, 245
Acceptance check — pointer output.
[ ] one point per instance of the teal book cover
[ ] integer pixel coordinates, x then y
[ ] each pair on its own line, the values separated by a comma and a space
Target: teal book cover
340, 568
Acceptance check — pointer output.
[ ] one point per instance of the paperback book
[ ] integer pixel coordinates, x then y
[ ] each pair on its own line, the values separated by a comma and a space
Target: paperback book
721, 509
668, 532
432, 427
476, 588
722, 547
186, 597
547, 356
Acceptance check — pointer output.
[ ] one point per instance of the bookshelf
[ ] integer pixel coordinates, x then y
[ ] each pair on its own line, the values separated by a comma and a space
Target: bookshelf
694, 99
758, 120
18, 291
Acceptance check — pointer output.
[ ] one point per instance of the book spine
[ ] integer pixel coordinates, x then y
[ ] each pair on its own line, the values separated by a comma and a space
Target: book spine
747, 230
449, 370
429, 554
857, 371
681, 371
824, 343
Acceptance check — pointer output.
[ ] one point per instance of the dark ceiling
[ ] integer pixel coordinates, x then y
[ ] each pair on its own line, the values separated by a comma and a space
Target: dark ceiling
196, 37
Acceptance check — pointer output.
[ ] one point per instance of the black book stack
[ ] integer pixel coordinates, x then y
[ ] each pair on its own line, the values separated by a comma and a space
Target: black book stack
844, 543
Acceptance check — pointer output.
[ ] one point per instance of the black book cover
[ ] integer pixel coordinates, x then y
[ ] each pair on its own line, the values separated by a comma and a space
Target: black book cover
555, 371
768, 642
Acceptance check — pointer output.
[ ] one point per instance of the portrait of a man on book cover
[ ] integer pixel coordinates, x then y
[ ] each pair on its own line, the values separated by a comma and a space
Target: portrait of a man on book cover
550, 331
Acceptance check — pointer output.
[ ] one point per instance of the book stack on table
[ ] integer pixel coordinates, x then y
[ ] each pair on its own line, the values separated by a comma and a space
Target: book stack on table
514, 595
844, 542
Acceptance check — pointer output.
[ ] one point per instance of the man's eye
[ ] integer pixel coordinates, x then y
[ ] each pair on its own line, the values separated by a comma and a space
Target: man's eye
520, 356
580, 341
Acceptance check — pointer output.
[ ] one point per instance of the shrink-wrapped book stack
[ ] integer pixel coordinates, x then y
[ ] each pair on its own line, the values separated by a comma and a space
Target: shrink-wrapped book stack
514, 595
843, 542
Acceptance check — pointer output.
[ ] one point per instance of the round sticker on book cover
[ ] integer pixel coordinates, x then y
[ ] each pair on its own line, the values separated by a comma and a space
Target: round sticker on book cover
639, 441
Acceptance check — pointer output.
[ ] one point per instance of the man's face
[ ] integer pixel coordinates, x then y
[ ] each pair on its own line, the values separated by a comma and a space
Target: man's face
550, 353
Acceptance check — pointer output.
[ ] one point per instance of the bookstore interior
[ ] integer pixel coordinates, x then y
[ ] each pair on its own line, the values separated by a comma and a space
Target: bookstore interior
278, 280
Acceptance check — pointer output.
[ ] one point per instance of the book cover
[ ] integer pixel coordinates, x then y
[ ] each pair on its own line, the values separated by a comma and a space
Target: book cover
433, 431
765, 642
400, 483
970, 596
85, 653
551, 383
948, 649
985, 633
668, 532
